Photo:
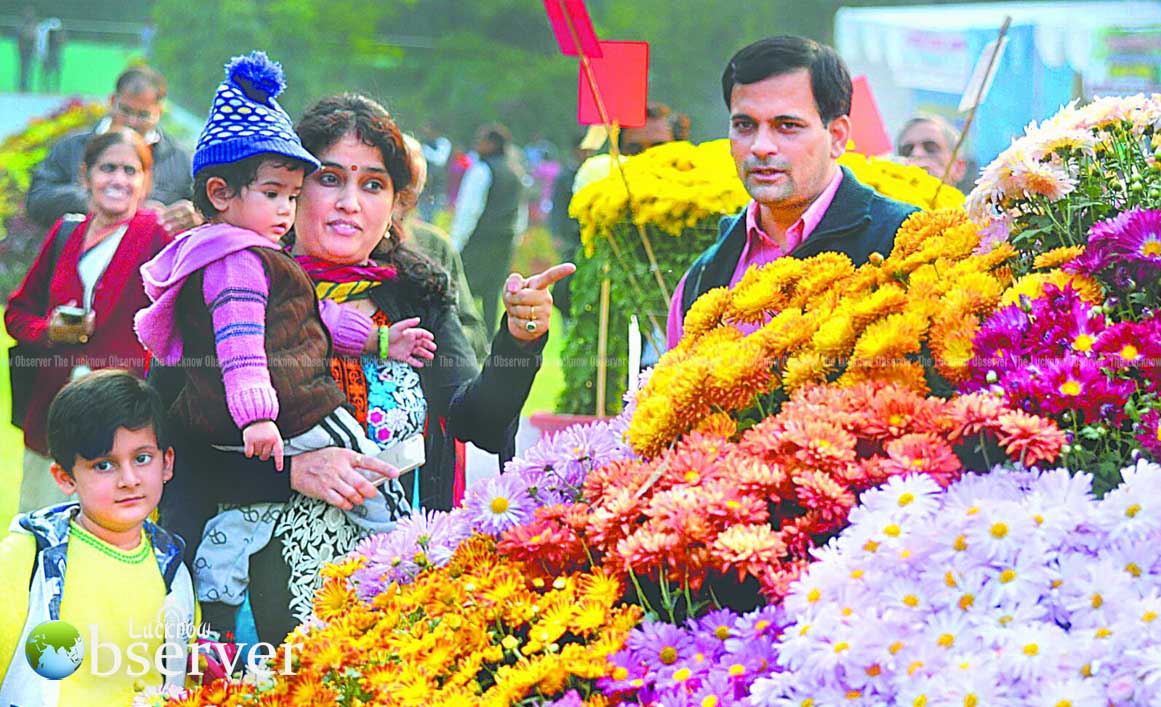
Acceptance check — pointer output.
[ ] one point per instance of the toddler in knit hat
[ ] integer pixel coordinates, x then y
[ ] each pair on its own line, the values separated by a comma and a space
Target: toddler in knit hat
240, 315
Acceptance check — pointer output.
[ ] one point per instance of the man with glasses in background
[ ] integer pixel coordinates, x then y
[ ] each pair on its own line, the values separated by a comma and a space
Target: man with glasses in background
137, 103
927, 141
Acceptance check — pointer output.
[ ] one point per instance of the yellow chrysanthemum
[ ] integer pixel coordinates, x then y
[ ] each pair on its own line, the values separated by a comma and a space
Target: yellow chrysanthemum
921, 227
910, 374
1032, 286
1057, 257
888, 299
892, 337
836, 335
951, 343
718, 423
906, 183
706, 312
333, 600
825, 270
805, 368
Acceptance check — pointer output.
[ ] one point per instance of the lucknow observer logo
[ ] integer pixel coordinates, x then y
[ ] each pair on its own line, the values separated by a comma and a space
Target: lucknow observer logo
54, 649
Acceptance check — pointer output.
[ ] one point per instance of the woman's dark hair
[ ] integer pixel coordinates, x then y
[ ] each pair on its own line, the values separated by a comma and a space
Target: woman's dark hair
236, 175
327, 121
323, 125
97, 145
776, 56
85, 415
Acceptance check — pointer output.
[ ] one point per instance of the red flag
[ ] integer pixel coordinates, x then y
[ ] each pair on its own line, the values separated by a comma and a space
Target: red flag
622, 76
560, 14
867, 129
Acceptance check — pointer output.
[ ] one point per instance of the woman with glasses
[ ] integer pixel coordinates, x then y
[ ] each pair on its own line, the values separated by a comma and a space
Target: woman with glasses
74, 310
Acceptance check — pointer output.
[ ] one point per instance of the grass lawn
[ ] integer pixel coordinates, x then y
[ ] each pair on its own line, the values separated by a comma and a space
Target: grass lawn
86, 67
550, 380
11, 445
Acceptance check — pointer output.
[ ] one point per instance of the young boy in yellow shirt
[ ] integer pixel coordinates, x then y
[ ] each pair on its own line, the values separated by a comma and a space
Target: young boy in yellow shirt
97, 564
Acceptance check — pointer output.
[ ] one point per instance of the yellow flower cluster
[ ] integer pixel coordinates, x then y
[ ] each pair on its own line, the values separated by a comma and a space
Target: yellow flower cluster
678, 184
478, 631
20, 153
906, 183
675, 185
822, 317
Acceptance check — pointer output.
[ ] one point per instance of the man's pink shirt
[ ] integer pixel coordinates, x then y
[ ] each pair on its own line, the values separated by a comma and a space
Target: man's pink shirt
759, 250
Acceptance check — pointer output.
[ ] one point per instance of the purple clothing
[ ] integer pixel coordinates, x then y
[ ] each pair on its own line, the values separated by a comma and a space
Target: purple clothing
759, 250
165, 274
235, 289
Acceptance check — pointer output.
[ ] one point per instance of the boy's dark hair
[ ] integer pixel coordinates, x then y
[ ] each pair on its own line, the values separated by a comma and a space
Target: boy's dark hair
85, 415
776, 56
236, 175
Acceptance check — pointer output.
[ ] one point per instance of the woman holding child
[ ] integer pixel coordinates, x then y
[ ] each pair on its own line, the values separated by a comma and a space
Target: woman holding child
346, 242
74, 309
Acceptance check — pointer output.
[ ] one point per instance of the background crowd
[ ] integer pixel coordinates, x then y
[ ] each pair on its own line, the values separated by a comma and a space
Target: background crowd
396, 264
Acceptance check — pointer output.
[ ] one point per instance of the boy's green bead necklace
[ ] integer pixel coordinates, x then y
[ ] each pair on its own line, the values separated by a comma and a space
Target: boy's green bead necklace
138, 556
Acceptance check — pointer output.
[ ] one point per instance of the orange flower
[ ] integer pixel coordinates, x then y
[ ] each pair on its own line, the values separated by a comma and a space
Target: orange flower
720, 424
1030, 438
952, 343
887, 411
334, 599
926, 453
309, 691
818, 443
968, 415
748, 549
828, 498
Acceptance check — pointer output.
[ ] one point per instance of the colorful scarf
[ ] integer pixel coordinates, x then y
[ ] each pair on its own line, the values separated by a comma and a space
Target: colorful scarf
343, 283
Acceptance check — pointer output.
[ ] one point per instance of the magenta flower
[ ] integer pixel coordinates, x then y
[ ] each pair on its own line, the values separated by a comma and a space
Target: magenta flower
1124, 252
1150, 435
1139, 236
1079, 386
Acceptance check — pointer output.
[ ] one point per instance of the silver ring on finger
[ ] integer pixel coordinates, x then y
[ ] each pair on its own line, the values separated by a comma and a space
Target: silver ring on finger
530, 326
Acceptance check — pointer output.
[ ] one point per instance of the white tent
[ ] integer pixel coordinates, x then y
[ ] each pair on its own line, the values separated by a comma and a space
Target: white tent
920, 58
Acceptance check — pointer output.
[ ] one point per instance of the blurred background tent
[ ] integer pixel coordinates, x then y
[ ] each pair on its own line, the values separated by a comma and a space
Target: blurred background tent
919, 58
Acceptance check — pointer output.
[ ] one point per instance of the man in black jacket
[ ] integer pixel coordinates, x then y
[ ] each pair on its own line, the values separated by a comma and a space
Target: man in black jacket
136, 103
484, 227
789, 100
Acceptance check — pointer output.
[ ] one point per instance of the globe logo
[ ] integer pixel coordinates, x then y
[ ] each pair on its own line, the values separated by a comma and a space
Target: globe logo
54, 649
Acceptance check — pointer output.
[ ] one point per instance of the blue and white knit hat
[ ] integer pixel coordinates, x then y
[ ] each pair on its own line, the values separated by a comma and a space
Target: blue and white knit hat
245, 120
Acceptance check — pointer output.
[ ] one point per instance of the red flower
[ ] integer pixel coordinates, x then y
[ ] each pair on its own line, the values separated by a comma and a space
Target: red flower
546, 545
924, 453
1029, 438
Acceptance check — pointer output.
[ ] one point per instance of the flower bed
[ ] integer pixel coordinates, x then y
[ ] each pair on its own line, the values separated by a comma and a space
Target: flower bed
680, 193
789, 517
19, 154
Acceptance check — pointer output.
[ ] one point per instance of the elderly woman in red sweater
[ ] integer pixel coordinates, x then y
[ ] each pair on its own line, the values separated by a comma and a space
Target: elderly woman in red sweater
74, 310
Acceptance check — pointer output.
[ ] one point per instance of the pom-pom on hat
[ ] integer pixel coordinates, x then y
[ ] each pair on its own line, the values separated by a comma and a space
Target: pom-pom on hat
245, 120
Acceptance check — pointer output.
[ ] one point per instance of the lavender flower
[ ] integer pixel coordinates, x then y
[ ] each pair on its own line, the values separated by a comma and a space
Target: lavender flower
712, 660
1013, 588
419, 541
499, 503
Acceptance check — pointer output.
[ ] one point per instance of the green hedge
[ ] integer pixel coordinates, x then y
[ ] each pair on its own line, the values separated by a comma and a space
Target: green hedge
579, 359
